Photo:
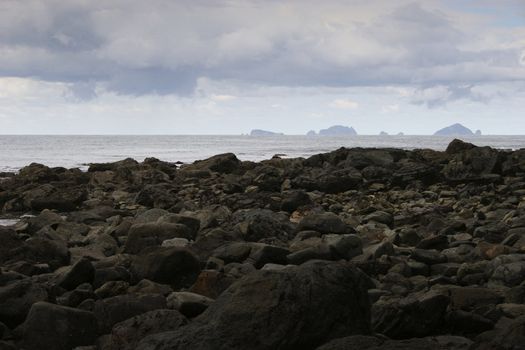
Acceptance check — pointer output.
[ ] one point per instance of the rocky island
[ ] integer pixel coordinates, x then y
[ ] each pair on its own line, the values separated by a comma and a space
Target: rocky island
259, 132
351, 249
457, 130
335, 130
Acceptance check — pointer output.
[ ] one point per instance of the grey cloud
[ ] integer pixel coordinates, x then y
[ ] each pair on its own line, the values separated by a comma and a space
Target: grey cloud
162, 47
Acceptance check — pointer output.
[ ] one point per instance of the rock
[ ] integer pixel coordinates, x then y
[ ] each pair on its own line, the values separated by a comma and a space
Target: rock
127, 334
324, 223
187, 303
417, 315
81, 272
150, 287
55, 327
454, 130
510, 274
145, 235
338, 130
42, 251
221, 163
175, 266
111, 289
115, 273
16, 299
111, 311
457, 146
294, 200
381, 217
469, 298
264, 311
257, 224
207, 242
367, 342
212, 283
510, 337
429, 257
262, 254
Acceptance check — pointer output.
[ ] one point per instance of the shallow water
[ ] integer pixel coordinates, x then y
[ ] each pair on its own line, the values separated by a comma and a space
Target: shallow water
8, 222
17, 151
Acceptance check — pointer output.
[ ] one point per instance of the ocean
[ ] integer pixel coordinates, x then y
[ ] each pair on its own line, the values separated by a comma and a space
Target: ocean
17, 151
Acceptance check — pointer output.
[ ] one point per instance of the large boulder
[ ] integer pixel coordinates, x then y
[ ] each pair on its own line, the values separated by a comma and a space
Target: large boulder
175, 266
53, 327
293, 308
221, 163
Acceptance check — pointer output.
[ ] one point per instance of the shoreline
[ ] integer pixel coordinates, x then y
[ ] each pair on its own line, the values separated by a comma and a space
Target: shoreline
381, 246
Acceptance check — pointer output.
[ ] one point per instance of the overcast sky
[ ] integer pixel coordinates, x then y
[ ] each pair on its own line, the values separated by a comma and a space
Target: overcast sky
226, 67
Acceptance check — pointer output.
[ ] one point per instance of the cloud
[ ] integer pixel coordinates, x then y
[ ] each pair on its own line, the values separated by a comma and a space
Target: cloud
223, 98
164, 47
440, 95
344, 104
390, 108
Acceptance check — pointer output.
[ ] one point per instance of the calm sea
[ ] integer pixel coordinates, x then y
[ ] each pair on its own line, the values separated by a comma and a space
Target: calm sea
76, 151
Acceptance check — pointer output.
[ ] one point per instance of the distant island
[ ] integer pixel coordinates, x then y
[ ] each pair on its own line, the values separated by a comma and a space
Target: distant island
336, 130
259, 132
456, 130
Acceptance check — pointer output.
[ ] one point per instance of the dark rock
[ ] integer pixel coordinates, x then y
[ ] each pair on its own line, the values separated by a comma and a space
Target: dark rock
257, 224
457, 146
189, 304
294, 200
295, 308
429, 257
175, 266
16, 299
212, 283
221, 163
145, 235
127, 334
50, 326
81, 272
417, 315
324, 223
111, 311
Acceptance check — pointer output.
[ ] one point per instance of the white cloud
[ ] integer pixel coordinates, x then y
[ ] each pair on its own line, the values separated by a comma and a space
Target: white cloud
223, 98
344, 104
390, 108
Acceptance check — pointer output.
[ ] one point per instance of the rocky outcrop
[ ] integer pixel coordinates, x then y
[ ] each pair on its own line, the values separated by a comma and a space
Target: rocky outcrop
355, 248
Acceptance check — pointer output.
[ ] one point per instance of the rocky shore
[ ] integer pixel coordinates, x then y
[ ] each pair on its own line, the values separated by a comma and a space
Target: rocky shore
352, 249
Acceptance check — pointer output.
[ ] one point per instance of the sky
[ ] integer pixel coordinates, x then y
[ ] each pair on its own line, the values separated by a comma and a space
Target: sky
229, 66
